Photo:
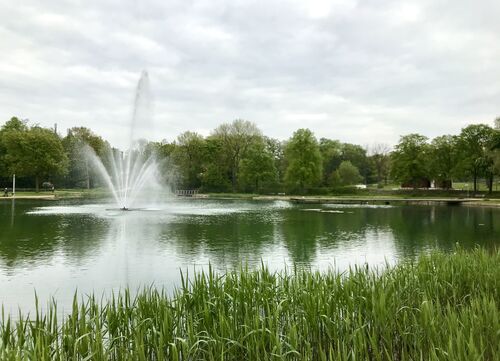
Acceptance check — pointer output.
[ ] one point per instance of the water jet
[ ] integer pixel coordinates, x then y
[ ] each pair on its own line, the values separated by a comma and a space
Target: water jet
131, 173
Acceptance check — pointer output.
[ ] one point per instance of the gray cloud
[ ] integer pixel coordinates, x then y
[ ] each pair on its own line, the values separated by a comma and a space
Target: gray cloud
359, 71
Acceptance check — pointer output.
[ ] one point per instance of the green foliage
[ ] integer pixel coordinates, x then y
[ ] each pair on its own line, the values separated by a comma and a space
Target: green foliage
380, 163
258, 166
331, 154
215, 177
277, 149
474, 148
80, 173
439, 307
13, 125
334, 153
410, 159
304, 160
34, 151
237, 157
443, 158
235, 138
189, 156
357, 156
347, 174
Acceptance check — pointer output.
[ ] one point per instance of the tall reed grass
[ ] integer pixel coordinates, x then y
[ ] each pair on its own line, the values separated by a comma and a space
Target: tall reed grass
440, 307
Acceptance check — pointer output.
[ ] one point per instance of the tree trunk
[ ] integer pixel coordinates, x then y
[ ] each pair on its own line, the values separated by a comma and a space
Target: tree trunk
233, 181
37, 184
233, 176
490, 183
475, 182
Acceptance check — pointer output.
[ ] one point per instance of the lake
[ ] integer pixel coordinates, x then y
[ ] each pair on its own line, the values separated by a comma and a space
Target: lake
59, 247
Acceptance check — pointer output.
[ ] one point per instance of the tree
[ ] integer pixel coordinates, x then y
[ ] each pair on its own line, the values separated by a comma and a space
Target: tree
189, 156
304, 160
277, 149
215, 176
334, 153
410, 160
443, 159
235, 139
357, 156
474, 147
14, 124
75, 143
258, 166
348, 174
36, 152
331, 154
380, 161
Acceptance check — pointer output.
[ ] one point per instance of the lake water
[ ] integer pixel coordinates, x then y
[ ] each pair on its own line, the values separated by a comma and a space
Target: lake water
56, 248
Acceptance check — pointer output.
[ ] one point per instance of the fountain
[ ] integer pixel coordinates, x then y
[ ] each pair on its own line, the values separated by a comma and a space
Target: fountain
133, 172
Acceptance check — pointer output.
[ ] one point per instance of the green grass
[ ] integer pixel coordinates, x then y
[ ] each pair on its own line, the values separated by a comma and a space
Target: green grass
63, 193
441, 307
232, 195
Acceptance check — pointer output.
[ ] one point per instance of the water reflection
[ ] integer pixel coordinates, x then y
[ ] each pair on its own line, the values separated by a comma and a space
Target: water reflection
57, 248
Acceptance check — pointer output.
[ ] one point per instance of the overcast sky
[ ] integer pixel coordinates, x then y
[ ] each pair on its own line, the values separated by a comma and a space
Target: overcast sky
360, 71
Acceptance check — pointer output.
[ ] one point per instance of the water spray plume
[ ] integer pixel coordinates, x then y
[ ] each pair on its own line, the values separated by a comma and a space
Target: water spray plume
132, 172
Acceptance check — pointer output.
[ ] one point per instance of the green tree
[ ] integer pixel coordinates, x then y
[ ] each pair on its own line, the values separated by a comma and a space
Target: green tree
348, 174
235, 138
410, 159
331, 154
356, 154
14, 124
380, 162
80, 172
474, 146
216, 173
443, 159
277, 149
258, 166
304, 160
36, 152
189, 156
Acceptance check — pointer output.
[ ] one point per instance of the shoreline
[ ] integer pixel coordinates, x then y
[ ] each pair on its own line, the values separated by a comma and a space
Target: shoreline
373, 200
31, 197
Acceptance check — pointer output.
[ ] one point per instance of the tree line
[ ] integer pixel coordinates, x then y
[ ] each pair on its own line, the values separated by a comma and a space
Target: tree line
238, 157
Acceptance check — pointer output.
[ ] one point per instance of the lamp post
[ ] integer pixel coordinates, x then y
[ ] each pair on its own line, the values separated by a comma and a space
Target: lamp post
14, 185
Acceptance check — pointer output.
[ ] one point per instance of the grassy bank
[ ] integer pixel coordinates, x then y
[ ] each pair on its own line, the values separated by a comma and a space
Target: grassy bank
374, 193
442, 307
95, 193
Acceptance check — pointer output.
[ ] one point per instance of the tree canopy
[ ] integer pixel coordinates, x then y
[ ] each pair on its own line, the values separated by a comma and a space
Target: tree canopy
34, 151
474, 146
237, 157
235, 138
348, 174
304, 160
410, 159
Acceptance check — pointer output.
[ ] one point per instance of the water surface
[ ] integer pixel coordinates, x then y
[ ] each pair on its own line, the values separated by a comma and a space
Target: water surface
58, 247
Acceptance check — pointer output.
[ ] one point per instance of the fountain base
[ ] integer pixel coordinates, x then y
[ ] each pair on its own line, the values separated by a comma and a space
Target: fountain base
126, 209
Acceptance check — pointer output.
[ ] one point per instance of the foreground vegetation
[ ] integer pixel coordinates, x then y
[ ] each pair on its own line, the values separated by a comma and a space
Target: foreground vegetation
439, 307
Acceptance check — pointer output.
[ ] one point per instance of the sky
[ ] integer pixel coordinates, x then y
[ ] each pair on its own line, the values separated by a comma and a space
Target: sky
364, 72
